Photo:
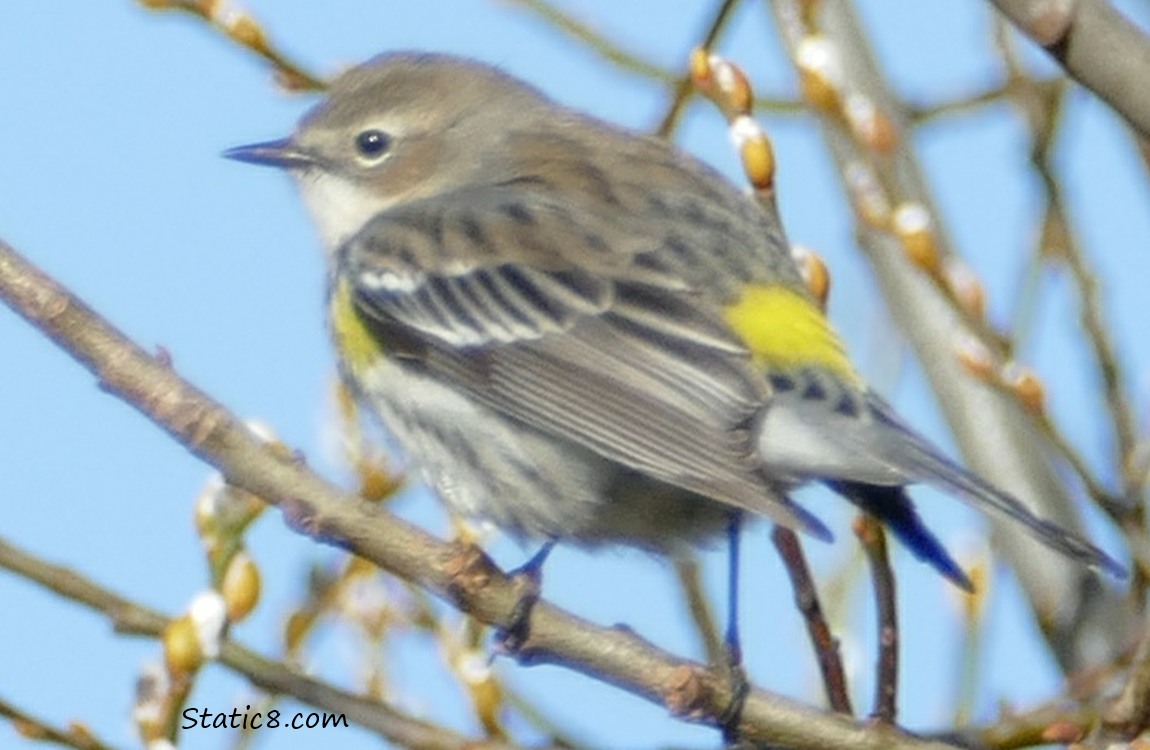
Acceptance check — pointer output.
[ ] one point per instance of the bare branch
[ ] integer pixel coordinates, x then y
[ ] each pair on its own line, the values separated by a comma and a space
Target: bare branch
1129, 714
129, 617
1083, 37
624, 60
873, 538
76, 735
245, 31
684, 88
807, 601
690, 584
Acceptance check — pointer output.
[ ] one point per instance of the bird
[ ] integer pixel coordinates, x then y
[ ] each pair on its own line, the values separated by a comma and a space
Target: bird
582, 334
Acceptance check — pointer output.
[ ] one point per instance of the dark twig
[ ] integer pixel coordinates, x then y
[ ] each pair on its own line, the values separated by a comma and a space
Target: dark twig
728, 88
873, 538
34, 728
807, 601
684, 87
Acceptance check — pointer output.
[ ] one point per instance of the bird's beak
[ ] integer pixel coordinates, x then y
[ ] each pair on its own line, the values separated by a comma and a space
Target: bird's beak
283, 154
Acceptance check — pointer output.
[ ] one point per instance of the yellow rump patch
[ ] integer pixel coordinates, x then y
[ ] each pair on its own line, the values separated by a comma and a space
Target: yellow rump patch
784, 329
355, 344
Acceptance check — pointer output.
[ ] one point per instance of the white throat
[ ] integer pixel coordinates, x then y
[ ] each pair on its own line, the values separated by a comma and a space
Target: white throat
339, 207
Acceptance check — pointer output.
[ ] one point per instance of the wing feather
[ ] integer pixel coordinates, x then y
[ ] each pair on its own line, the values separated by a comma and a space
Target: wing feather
607, 353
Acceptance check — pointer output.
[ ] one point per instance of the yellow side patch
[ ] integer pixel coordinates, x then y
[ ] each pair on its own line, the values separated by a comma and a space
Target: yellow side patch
358, 349
784, 329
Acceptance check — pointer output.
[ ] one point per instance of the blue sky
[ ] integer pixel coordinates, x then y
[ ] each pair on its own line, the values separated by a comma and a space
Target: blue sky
110, 179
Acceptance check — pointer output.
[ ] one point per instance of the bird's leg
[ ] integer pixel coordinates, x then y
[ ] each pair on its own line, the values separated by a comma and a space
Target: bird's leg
529, 577
729, 719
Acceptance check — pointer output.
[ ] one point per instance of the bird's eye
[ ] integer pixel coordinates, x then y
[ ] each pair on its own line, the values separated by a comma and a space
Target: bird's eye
372, 144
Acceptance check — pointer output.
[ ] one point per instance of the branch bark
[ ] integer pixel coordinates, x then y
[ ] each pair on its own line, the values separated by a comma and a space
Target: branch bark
1096, 45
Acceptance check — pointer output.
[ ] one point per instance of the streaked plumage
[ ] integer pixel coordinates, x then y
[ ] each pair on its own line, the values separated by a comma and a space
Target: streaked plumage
580, 332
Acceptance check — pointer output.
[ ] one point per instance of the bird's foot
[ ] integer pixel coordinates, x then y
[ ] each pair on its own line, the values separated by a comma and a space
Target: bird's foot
740, 688
511, 638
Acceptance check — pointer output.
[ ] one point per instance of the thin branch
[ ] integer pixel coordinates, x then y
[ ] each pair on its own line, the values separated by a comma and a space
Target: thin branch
1059, 721
624, 60
1106, 360
873, 538
36, 729
1063, 720
807, 601
132, 618
542, 723
687, 571
684, 88
596, 42
971, 662
243, 29
1129, 714
921, 114
461, 574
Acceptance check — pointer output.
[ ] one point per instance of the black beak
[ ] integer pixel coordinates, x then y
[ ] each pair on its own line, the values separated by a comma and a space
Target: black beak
282, 153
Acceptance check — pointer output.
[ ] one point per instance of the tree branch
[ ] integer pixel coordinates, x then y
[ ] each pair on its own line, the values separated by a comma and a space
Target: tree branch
1096, 45
129, 617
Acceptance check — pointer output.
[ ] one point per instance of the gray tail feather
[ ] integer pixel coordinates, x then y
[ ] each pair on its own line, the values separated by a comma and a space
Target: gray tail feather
924, 464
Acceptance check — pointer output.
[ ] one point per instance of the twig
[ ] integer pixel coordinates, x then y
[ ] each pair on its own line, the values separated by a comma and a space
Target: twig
807, 601
1106, 360
595, 41
1129, 714
621, 58
1059, 721
921, 114
132, 618
543, 723
970, 653
683, 86
873, 538
1042, 106
34, 728
1062, 720
687, 572
243, 29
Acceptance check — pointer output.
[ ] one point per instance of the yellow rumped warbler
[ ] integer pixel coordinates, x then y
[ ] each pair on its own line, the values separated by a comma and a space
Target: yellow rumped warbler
581, 333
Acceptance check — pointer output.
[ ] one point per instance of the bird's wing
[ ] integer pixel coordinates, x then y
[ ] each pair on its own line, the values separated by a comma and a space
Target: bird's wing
525, 307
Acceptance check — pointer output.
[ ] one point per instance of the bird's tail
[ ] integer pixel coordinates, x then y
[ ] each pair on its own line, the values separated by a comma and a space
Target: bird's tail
922, 463
892, 506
